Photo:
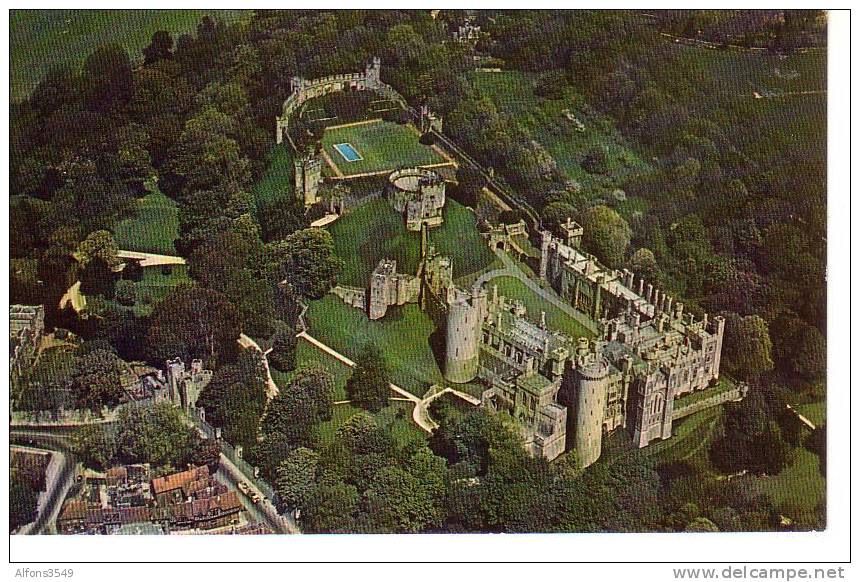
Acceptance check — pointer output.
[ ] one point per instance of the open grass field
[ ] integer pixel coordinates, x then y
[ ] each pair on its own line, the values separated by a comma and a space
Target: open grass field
278, 180
513, 288
41, 40
382, 145
403, 336
155, 286
153, 228
376, 231
308, 354
511, 92
736, 73
816, 412
798, 488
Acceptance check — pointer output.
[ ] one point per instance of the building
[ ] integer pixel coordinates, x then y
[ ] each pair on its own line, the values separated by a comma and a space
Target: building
418, 195
566, 392
180, 486
308, 175
185, 385
26, 326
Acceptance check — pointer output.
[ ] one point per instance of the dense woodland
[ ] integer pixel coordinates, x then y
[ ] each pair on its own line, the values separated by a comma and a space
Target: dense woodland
735, 224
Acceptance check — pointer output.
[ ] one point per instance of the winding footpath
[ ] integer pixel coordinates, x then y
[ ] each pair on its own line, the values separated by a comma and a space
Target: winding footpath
420, 414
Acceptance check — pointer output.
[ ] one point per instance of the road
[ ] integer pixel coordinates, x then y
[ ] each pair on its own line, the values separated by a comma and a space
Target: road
264, 511
58, 442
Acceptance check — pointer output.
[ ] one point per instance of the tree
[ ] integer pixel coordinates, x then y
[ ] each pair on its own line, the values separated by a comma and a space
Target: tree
747, 346
330, 508
206, 452
470, 184
193, 323
606, 234
156, 435
107, 72
283, 354
235, 398
159, 48
96, 446
124, 292
750, 438
133, 271
596, 161
292, 416
644, 264
296, 477
97, 278
367, 387
97, 382
99, 244
306, 260
557, 213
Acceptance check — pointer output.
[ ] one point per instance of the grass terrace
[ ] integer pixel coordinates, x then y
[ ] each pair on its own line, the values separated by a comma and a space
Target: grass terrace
278, 180
376, 231
381, 145
403, 336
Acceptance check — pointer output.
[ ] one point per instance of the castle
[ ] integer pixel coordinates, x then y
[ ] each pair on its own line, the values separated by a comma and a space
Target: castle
26, 325
308, 165
567, 393
419, 195
185, 385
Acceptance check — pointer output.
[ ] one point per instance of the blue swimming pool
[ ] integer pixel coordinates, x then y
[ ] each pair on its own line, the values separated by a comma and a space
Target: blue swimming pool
348, 152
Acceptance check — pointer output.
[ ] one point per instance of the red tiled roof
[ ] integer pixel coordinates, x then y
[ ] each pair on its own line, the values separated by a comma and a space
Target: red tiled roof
178, 480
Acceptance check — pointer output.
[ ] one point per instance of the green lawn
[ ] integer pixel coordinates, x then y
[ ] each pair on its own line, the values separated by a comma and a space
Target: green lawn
403, 336
382, 146
513, 288
800, 487
155, 286
376, 231
278, 181
153, 228
308, 354
816, 412
41, 40
372, 232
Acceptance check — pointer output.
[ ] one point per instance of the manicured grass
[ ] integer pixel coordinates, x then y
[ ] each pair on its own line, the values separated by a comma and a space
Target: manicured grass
459, 238
511, 92
382, 145
557, 319
372, 232
278, 180
308, 354
816, 412
800, 487
376, 231
153, 228
403, 336
41, 40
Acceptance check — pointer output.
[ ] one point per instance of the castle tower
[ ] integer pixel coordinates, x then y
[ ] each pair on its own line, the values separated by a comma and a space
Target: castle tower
590, 385
308, 173
371, 74
545, 240
463, 334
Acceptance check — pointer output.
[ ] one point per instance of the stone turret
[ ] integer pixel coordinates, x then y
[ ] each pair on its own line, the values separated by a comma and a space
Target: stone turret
308, 173
590, 380
463, 334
